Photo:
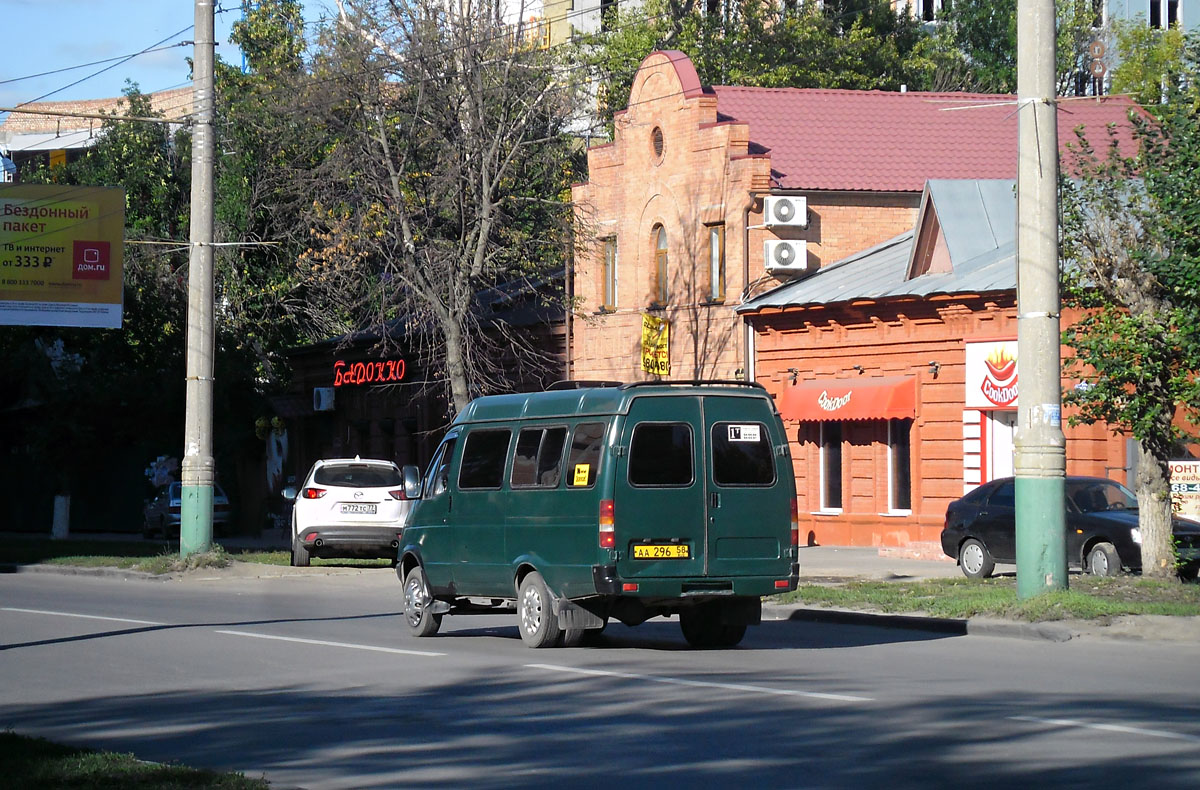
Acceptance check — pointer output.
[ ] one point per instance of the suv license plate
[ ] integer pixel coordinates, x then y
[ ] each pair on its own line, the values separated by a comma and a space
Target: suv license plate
354, 507
666, 551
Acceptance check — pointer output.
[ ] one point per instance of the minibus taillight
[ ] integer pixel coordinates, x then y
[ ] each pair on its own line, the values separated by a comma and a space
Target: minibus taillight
795, 523
608, 538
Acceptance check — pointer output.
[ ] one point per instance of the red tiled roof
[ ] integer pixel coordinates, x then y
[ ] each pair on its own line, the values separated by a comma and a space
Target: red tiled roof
883, 141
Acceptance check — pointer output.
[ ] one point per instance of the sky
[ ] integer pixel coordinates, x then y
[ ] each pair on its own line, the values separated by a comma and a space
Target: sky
46, 35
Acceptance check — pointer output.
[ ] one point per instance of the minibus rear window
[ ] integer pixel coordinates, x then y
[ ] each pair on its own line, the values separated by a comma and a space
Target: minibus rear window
483, 459
742, 455
661, 454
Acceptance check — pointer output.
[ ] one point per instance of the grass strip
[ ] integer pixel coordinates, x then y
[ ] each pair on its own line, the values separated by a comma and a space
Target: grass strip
35, 763
1087, 598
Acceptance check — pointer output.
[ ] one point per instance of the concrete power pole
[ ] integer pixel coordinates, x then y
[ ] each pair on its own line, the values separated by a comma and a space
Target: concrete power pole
1040, 462
198, 468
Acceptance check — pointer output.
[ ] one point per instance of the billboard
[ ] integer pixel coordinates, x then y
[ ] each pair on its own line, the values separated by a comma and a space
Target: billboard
656, 345
61, 255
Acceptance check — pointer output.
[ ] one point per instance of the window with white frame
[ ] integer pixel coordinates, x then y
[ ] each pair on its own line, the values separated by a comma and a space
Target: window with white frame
899, 466
1163, 13
831, 466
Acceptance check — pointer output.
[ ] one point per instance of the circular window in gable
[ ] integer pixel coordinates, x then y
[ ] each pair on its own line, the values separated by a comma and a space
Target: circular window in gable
656, 139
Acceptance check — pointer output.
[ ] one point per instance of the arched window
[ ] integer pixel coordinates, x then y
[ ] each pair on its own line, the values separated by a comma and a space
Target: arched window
660, 265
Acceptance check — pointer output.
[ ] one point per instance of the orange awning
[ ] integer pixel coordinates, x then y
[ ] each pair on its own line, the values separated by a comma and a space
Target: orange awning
877, 398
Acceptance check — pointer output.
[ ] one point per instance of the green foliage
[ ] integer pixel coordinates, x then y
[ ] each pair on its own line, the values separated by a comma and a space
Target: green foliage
1148, 59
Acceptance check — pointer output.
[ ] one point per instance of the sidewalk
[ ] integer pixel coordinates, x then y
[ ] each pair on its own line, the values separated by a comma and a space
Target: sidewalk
838, 563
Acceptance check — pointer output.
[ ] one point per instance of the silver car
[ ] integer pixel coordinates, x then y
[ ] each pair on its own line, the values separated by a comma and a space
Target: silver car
162, 513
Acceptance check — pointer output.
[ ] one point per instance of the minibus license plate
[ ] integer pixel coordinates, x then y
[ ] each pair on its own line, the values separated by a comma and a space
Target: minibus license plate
354, 507
670, 551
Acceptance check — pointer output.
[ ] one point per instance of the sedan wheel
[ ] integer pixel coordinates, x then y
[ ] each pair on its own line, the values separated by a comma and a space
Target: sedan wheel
975, 560
1103, 560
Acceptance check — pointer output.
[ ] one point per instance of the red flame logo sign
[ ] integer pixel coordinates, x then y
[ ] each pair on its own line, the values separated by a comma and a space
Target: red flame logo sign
1000, 381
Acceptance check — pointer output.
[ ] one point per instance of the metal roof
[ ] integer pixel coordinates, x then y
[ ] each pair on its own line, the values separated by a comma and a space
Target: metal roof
978, 221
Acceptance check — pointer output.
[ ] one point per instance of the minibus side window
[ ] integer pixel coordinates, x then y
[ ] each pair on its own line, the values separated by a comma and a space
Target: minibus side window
538, 458
584, 459
661, 454
742, 454
483, 459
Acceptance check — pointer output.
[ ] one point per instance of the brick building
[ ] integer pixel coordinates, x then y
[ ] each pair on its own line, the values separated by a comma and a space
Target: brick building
715, 201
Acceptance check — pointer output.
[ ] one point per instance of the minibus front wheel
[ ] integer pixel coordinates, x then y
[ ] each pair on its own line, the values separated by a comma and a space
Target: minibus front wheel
418, 605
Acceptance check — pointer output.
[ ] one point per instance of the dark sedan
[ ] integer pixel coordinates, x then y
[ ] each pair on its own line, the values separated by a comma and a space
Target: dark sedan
1101, 525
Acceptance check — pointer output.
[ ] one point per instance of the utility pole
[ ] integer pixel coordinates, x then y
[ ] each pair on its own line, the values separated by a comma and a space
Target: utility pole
1040, 462
198, 468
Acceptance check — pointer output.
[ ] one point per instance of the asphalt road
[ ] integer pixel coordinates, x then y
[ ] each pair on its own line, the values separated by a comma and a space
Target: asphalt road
311, 681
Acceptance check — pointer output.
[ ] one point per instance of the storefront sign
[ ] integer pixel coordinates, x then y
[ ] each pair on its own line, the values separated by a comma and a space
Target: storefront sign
61, 254
992, 375
384, 371
1185, 489
656, 345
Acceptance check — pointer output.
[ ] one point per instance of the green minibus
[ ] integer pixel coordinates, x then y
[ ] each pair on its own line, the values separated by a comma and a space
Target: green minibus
593, 502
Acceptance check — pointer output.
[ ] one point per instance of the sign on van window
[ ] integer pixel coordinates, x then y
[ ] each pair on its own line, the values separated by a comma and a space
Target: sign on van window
743, 433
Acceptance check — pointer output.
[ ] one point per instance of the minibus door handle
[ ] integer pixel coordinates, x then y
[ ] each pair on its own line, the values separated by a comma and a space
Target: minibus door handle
714, 500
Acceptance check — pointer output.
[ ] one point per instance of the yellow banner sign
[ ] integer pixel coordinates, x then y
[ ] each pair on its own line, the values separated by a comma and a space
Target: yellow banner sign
656, 345
61, 255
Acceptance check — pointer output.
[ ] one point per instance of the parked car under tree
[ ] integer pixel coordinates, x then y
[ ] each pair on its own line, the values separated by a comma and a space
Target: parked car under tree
1101, 525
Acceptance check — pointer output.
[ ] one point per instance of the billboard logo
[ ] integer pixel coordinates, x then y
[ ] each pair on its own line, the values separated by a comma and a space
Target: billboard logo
1000, 379
91, 260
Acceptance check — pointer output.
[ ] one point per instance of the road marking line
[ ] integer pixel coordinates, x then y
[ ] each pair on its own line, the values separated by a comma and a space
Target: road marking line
333, 644
703, 683
82, 616
1121, 728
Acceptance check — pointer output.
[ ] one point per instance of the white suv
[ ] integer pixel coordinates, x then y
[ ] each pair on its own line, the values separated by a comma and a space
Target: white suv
349, 507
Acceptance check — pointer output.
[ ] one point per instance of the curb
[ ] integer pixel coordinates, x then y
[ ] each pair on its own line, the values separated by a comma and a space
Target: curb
938, 625
75, 570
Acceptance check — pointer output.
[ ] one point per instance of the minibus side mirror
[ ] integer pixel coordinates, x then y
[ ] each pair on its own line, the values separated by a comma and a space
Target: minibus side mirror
412, 481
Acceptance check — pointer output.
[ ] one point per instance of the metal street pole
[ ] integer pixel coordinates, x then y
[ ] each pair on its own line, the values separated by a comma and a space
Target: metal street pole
198, 468
1040, 461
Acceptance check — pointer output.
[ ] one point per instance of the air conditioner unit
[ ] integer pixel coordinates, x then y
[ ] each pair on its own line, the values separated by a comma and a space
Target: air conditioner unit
322, 398
786, 257
785, 211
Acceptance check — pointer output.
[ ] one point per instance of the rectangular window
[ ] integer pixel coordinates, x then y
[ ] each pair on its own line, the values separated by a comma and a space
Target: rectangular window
1155, 13
483, 459
608, 15
899, 465
660, 455
583, 461
610, 274
538, 458
716, 263
742, 454
831, 466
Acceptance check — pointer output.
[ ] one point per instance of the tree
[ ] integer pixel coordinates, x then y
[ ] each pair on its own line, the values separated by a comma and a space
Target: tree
1131, 237
1148, 61
448, 179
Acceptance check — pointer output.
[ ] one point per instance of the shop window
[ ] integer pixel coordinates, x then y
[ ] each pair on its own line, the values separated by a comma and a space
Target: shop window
716, 263
660, 266
831, 466
610, 274
482, 464
660, 455
899, 465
